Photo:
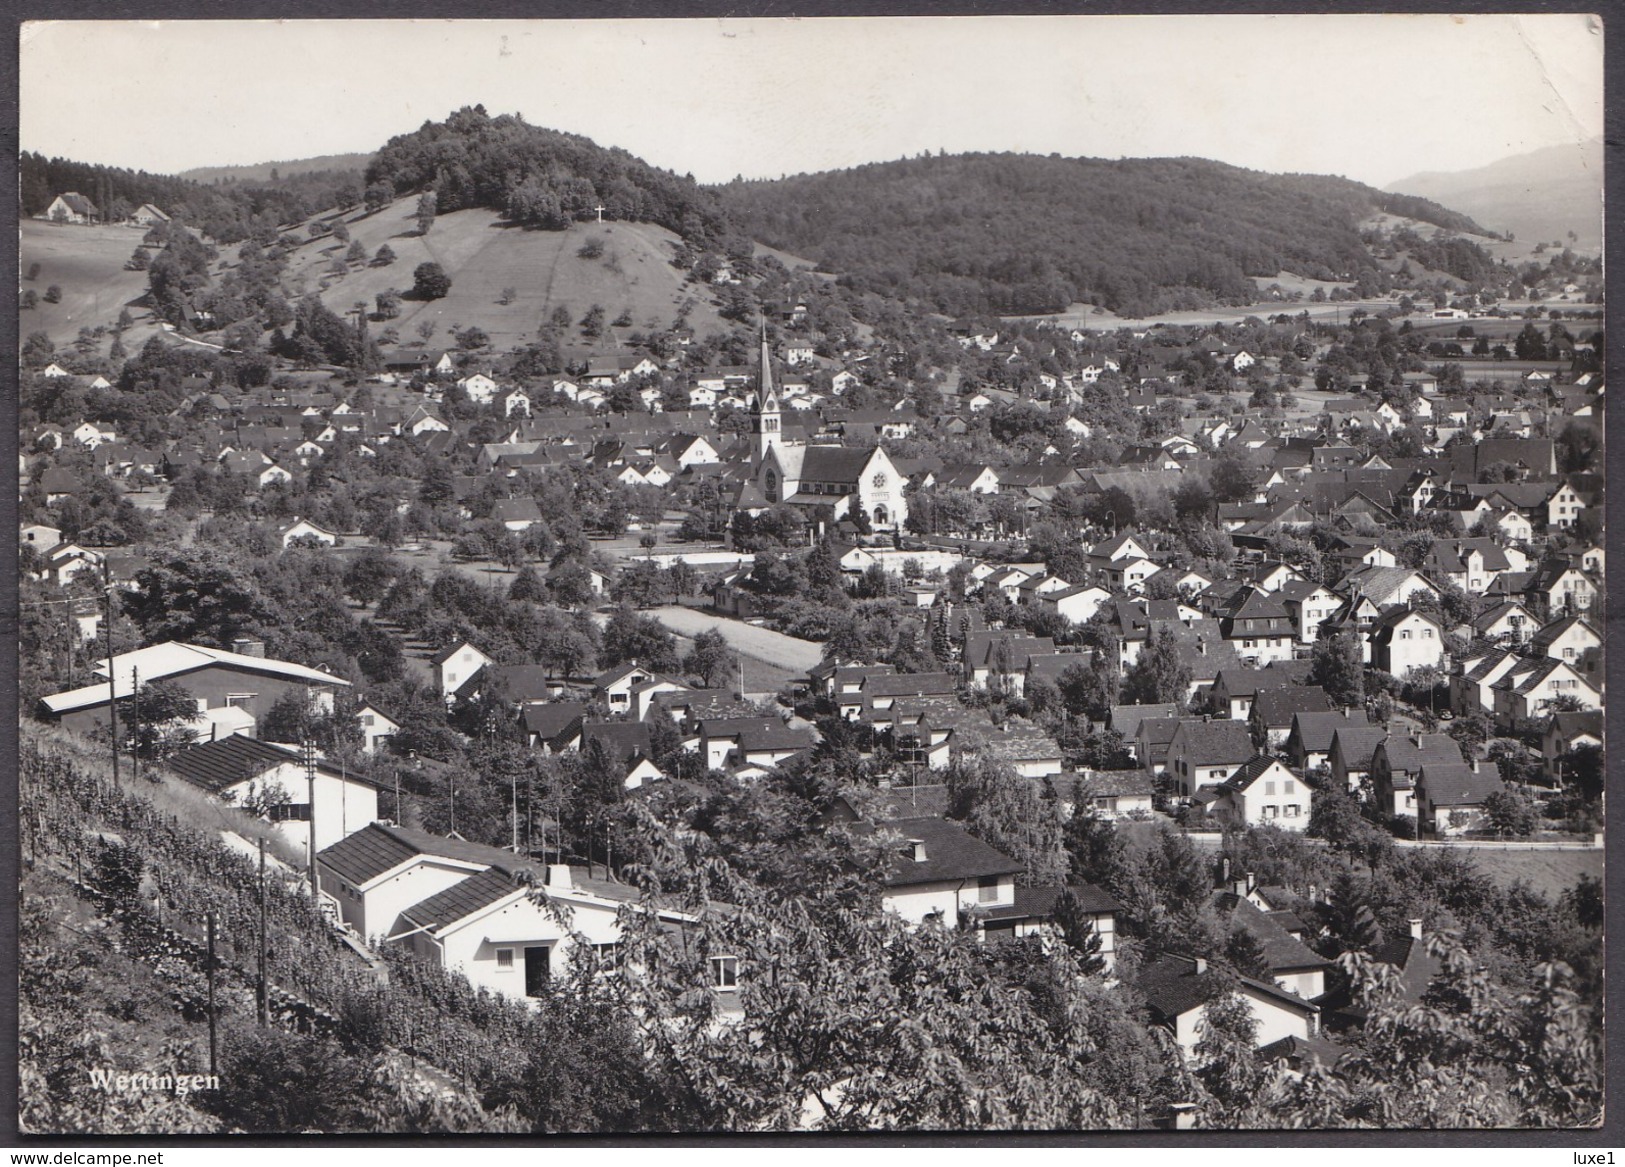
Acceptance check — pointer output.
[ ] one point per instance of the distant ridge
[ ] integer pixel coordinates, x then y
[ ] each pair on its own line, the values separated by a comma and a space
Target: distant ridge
1541, 195
1023, 233
261, 171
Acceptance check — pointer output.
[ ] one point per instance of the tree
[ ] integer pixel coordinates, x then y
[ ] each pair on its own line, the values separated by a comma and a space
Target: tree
1160, 674
1078, 931
430, 281
1007, 813
53, 294
1336, 666
388, 304
369, 576
426, 211
357, 252
1510, 812
711, 658
197, 596
527, 586
384, 256
630, 636
1089, 690
154, 719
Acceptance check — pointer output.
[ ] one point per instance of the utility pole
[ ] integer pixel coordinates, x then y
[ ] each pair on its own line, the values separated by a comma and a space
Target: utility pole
264, 994
135, 728
310, 782
112, 680
214, 1064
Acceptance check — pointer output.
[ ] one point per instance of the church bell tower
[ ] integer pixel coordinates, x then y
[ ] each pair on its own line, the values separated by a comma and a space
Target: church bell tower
764, 411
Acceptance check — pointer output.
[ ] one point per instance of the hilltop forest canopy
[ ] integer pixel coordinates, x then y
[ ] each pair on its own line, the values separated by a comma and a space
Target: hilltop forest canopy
1013, 233
539, 177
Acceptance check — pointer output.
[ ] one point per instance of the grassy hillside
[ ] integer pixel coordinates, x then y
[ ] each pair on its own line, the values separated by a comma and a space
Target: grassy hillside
1011, 233
87, 263
484, 256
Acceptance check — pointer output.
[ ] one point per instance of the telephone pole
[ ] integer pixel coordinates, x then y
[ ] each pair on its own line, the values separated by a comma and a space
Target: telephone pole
310, 782
135, 727
264, 993
112, 680
214, 1064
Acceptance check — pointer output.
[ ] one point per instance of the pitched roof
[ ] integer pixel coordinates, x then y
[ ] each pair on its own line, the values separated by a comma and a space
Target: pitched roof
1218, 741
841, 464
1458, 784
1126, 719
1357, 742
951, 853
1282, 952
547, 720
378, 847
1172, 986
462, 899
215, 765
1278, 706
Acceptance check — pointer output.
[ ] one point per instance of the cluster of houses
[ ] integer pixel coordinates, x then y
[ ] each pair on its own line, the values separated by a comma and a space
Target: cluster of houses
73, 207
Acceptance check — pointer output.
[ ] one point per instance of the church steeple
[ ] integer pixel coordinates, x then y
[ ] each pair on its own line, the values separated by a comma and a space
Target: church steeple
764, 412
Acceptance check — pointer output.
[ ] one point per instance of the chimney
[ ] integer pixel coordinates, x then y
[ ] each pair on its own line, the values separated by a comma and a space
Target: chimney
1224, 869
1416, 929
244, 646
1240, 887
1201, 965
917, 849
558, 876
1252, 881
1183, 1115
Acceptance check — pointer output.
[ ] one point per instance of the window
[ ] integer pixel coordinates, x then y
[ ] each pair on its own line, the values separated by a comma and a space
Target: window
239, 700
987, 889
724, 972
1287, 787
1269, 788
1271, 811
504, 960
1405, 634
1292, 810
290, 812
606, 956
1427, 634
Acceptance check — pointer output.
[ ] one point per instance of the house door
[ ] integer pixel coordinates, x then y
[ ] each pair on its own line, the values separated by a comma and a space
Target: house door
537, 961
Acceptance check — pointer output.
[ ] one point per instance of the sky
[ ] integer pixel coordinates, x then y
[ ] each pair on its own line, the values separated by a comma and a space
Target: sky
1372, 97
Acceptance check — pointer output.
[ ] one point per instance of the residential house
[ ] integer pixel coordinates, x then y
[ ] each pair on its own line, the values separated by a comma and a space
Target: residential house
1451, 795
1533, 685
375, 726
455, 664
1276, 706
1353, 743
307, 533
273, 782
1259, 629
729, 743
1397, 762
616, 686
1404, 640
1507, 623
1309, 743
1568, 639
1309, 605
1565, 732
1261, 792
1178, 990
1206, 752
1113, 794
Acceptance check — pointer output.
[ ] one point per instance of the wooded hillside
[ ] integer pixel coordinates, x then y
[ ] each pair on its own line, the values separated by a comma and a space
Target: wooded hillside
1011, 233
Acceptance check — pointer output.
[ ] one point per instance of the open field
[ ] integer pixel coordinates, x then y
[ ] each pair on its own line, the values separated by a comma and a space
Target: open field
788, 652
483, 257
1550, 872
87, 263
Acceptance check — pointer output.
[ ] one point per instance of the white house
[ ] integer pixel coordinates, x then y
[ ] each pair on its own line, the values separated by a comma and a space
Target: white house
1263, 792
305, 529
455, 664
272, 781
1403, 640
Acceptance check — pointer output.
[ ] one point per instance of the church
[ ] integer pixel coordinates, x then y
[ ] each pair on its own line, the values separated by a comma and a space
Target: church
844, 478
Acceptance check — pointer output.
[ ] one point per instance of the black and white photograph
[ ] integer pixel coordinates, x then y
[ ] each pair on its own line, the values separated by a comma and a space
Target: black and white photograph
698, 577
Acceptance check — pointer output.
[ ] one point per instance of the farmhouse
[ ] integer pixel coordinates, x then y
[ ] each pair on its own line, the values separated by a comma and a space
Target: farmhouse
71, 207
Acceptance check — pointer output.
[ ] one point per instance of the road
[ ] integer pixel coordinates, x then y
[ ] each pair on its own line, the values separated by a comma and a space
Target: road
763, 644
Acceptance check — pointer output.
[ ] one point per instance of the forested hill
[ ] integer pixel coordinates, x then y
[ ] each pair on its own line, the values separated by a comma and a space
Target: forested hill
1016, 233
540, 177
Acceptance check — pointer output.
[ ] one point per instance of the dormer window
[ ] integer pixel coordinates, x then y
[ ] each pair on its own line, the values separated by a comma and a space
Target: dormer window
916, 850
